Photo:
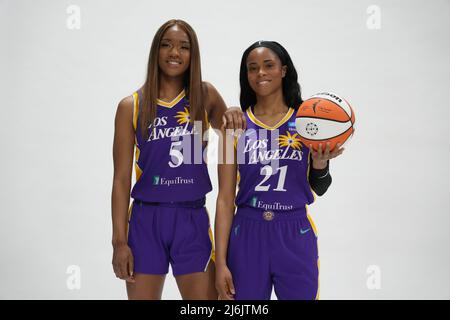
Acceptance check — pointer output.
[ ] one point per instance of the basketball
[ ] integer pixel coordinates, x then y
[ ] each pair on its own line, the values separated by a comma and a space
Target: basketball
325, 117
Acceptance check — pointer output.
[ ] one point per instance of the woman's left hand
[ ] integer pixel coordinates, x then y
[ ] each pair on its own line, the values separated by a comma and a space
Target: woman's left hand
319, 158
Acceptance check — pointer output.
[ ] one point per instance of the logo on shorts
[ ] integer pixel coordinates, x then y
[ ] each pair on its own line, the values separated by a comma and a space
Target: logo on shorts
303, 231
268, 215
236, 229
155, 180
253, 201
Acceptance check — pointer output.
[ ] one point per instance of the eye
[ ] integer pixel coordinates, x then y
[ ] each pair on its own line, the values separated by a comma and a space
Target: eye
269, 65
185, 48
164, 45
251, 68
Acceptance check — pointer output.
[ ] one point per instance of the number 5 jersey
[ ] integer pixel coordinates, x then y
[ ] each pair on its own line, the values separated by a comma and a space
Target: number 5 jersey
169, 164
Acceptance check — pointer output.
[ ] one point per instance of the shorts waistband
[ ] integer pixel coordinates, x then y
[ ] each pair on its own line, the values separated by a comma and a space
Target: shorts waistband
174, 204
271, 215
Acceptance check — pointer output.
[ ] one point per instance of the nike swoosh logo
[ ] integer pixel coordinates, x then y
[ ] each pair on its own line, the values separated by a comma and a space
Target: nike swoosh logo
304, 231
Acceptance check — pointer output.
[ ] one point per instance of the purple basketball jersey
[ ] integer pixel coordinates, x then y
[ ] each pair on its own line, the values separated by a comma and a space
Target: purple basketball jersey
273, 165
169, 164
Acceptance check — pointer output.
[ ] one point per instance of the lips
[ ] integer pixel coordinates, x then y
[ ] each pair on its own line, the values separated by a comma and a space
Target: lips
173, 63
262, 82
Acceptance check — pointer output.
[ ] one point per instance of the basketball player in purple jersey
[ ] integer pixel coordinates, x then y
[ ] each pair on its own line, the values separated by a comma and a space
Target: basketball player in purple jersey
167, 222
271, 241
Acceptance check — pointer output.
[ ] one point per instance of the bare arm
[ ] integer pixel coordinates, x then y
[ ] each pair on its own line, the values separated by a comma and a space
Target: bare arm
225, 208
215, 106
120, 198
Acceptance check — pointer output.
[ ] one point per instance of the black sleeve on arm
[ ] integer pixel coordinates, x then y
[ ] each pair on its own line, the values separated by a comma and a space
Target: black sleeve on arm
319, 179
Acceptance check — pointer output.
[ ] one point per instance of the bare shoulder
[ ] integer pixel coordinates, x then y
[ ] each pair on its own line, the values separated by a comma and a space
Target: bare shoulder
126, 104
125, 107
208, 89
211, 94
124, 113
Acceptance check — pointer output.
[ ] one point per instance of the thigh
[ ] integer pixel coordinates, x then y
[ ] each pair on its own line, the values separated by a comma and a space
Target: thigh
198, 285
146, 287
248, 260
295, 261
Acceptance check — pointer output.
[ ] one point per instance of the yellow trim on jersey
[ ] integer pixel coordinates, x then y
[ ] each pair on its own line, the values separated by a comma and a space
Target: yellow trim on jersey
238, 175
211, 237
130, 209
318, 260
235, 142
208, 124
311, 220
213, 251
173, 102
259, 123
135, 109
137, 169
318, 278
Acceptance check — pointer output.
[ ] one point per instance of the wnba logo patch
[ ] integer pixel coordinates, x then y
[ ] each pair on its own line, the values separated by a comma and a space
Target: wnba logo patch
291, 126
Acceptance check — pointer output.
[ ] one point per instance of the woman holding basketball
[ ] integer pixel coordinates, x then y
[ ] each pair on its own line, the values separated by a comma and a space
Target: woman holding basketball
167, 222
271, 241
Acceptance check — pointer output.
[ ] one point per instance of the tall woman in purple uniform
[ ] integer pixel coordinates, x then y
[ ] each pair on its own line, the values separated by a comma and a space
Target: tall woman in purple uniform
167, 222
271, 241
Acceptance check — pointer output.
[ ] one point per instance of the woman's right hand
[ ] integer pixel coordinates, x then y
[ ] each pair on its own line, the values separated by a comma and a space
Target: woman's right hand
224, 283
123, 262
234, 119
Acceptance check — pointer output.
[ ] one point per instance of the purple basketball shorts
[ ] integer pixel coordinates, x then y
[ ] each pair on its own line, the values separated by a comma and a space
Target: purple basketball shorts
162, 234
273, 249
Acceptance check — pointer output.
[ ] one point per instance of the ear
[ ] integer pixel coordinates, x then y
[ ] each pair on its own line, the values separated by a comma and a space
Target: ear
283, 71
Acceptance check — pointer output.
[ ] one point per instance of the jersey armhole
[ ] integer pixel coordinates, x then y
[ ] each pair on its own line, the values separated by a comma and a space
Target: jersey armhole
208, 124
135, 109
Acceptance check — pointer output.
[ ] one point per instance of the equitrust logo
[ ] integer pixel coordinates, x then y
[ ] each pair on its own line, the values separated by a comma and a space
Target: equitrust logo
161, 181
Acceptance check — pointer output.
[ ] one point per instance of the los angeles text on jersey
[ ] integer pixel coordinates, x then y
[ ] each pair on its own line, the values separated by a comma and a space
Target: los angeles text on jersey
258, 151
159, 129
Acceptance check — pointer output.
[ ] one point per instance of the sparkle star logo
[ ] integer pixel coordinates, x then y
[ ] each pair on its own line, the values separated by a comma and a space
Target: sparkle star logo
183, 116
290, 141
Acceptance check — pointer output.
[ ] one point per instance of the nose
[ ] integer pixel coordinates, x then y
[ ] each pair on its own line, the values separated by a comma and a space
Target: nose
174, 52
261, 72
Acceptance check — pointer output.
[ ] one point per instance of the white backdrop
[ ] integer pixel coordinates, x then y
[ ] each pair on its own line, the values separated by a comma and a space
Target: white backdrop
383, 224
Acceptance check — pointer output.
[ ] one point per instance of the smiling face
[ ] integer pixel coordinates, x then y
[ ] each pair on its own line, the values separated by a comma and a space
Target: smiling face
174, 52
265, 72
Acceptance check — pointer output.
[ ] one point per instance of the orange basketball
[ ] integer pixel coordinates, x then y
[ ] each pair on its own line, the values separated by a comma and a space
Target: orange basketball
325, 117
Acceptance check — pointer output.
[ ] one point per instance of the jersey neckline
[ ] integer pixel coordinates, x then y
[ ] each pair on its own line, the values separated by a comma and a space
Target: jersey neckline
170, 104
255, 120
